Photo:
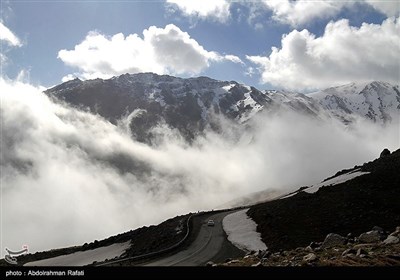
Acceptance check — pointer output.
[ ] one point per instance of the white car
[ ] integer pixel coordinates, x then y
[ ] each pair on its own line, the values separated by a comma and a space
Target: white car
210, 223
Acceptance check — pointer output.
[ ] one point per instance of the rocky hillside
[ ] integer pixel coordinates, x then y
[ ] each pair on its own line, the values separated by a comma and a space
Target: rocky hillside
345, 207
376, 247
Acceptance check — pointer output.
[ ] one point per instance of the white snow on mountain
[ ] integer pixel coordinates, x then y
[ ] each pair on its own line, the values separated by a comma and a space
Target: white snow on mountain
242, 231
191, 101
85, 257
336, 180
377, 101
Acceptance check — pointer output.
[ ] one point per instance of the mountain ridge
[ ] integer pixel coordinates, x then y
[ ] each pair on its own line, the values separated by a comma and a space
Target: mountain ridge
191, 104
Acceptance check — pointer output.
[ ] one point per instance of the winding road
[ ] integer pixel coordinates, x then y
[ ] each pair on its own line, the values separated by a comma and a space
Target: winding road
208, 244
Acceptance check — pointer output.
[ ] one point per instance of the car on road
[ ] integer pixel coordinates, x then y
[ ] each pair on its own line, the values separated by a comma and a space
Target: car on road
210, 223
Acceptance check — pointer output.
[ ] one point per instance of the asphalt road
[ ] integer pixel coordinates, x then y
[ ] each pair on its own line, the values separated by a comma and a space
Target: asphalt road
207, 245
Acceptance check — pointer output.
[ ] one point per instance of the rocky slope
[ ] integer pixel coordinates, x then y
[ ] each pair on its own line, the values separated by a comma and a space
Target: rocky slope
372, 248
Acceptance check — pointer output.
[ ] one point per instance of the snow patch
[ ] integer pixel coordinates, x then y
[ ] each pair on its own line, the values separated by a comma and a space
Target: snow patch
203, 109
337, 180
86, 257
228, 87
242, 231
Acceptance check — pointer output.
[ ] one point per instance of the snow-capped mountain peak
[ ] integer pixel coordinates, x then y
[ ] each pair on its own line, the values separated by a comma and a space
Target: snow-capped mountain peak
378, 101
189, 105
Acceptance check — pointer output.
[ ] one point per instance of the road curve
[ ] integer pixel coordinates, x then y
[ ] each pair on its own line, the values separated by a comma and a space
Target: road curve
208, 244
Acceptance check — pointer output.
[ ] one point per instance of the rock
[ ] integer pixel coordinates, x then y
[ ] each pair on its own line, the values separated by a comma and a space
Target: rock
228, 260
384, 153
209, 264
360, 252
310, 257
396, 233
372, 236
348, 252
262, 254
314, 245
265, 255
350, 238
257, 264
378, 229
367, 245
309, 249
333, 239
391, 240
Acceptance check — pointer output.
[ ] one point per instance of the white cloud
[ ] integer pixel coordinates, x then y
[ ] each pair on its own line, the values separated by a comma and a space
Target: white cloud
8, 36
303, 11
217, 10
234, 59
343, 54
69, 77
3, 59
389, 8
295, 13
162, 50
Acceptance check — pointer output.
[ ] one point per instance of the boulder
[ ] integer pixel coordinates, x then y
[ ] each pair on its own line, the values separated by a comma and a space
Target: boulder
332, 240
360, 252
396, 233
349, 252
378, 229
372, 236
310, 257
384, 153
391, 240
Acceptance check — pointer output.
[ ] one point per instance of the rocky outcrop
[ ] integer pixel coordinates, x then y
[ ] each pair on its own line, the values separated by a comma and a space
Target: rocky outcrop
384, 153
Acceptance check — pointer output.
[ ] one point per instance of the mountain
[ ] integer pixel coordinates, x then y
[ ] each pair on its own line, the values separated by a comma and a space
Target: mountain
143, 101
147, 99
377, 101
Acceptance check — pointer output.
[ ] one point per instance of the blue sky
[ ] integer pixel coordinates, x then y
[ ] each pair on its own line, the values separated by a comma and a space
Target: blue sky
228, 40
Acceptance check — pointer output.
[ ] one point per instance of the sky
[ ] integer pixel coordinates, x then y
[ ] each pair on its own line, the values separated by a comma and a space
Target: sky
296, 45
